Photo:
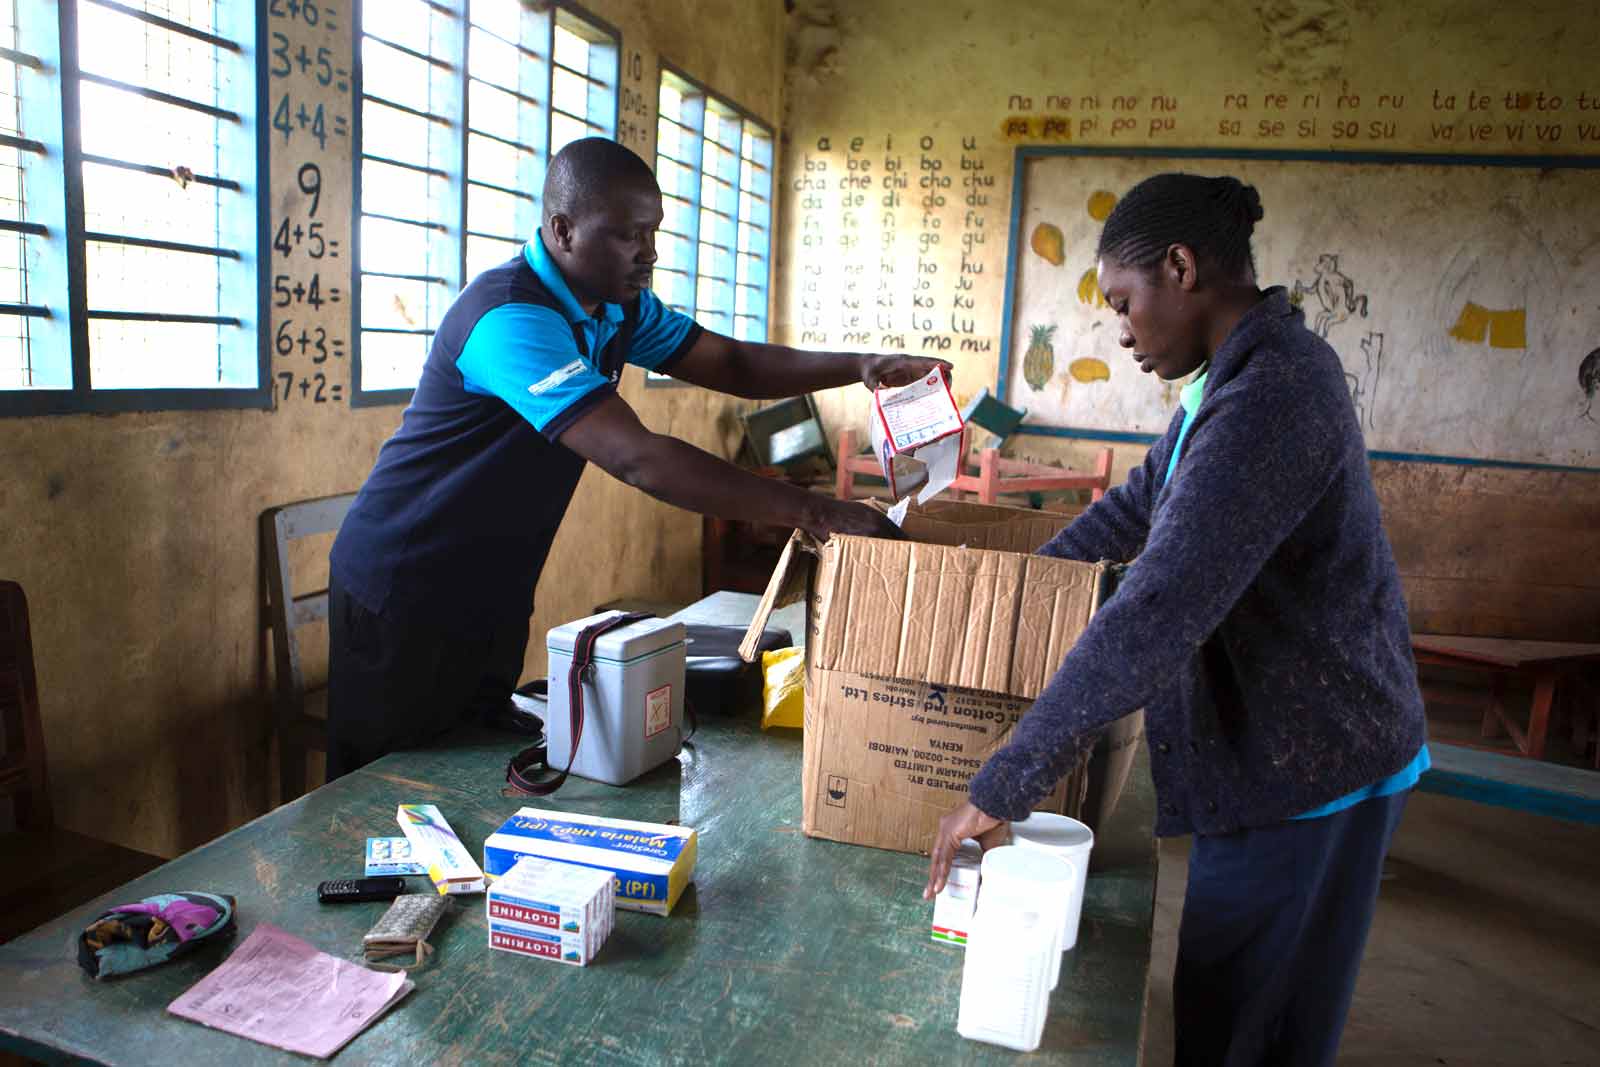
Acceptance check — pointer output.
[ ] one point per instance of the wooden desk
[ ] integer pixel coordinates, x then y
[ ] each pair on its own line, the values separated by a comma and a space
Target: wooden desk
1544, 663
785, 950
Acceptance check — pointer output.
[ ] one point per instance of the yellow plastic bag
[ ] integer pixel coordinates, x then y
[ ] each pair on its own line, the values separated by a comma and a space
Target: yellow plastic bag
783, 688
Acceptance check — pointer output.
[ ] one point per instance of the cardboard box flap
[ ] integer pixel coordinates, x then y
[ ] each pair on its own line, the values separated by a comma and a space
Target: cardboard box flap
995, 621
991, 526
1061, 596
786, 586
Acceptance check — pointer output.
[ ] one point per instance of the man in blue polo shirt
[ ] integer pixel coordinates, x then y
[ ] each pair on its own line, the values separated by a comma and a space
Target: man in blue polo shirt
434, 570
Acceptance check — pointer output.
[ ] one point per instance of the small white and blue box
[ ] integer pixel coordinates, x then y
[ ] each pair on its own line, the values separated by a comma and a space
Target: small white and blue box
391, 855
632, 699
651, 862
450, 866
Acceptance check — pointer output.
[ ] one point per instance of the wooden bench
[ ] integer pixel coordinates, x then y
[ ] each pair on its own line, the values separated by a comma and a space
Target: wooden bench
1504, 781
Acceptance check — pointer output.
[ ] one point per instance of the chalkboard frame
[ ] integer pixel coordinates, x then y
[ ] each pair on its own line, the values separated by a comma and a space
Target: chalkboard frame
1024, 153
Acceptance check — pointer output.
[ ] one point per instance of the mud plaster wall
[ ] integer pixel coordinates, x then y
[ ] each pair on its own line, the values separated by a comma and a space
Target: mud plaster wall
902, 119
135, 535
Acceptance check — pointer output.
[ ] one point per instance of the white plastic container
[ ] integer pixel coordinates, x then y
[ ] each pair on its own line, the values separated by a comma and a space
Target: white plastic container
632, 702
1029, 880
1070, 840
1005, 993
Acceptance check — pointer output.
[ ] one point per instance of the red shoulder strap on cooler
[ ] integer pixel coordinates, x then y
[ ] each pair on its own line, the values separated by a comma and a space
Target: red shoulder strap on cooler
536, 757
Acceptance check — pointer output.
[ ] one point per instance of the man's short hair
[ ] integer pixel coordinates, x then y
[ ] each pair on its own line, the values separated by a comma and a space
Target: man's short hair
588, 169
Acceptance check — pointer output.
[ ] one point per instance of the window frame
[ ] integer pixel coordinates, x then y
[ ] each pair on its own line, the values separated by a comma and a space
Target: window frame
571, 10
457, 225
52, 118
703, 95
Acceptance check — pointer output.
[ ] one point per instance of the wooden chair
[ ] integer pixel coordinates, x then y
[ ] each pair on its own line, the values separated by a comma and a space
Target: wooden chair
300, 711
49, 871
987, 473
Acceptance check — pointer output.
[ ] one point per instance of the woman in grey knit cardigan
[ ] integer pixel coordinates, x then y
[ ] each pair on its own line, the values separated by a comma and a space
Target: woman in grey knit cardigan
1261, 626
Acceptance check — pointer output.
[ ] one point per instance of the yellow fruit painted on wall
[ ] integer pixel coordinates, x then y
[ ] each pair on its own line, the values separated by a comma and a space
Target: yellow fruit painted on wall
1101, 202
1039, 363
1088, 369
1089, 289
1048, 243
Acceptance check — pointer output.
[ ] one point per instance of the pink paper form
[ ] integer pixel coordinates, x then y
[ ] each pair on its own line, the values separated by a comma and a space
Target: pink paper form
281, 991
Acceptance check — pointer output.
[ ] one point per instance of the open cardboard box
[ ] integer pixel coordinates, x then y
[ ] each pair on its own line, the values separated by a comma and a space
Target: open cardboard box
920, 657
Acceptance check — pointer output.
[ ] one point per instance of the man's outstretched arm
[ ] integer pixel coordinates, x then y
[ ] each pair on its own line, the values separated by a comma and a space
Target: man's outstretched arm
759, 371
611, 436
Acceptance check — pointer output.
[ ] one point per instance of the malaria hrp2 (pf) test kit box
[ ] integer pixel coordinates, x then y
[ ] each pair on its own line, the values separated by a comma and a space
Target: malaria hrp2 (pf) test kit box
652, 862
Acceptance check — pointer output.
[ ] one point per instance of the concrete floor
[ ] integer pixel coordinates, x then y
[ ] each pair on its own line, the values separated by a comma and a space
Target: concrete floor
1485, 949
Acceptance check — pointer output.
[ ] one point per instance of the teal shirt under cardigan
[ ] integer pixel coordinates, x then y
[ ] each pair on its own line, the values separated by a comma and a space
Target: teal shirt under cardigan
1407, 776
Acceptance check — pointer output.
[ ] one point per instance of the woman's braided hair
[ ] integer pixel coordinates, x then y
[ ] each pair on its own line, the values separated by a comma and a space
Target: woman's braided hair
1213, 216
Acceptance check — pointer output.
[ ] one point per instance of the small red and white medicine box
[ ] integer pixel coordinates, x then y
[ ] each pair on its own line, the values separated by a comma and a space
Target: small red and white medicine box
916, 435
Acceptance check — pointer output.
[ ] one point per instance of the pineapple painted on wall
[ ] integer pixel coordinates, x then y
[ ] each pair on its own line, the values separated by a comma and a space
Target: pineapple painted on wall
1039, 363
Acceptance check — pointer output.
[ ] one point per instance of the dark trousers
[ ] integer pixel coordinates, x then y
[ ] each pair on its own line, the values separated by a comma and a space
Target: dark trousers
399, 681
1274, 923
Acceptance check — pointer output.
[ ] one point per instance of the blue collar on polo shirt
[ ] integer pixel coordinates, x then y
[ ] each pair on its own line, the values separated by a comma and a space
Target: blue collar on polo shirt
549, 273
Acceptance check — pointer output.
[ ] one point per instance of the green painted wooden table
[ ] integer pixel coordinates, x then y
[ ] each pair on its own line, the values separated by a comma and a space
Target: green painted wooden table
785, 949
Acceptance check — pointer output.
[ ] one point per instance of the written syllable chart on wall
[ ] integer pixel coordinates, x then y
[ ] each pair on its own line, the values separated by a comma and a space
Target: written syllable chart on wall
309, 112
1463, 299
894, 232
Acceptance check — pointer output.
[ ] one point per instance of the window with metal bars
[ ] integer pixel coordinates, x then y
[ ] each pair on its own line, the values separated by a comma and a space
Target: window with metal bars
714, 164
130, 225
463, 104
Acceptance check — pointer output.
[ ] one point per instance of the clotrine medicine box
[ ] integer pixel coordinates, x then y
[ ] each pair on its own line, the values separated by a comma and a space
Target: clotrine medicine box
539, 943
557, 911
563, 897
651, 862
957, 902
451, 867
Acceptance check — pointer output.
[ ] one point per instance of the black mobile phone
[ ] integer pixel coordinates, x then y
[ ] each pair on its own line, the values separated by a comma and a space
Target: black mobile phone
349, 890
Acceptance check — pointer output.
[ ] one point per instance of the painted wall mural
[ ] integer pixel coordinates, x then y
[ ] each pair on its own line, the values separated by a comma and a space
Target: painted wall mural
1455, 295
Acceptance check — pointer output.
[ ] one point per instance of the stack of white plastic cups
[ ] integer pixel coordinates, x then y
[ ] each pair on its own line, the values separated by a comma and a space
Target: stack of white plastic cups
1029, 879
1070, 841
1005, 991
1013, 948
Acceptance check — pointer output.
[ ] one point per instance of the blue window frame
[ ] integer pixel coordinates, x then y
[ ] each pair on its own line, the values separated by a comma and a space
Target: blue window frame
130, 280
462, 104
714, 163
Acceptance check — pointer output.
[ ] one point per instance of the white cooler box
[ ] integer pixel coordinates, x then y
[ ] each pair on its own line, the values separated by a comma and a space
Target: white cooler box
632, 699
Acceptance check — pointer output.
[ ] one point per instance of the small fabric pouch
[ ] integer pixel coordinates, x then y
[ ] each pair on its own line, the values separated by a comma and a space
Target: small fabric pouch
404, 928
149, 932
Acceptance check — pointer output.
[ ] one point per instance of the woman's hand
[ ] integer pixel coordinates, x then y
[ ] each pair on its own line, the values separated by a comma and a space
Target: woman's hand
962, 823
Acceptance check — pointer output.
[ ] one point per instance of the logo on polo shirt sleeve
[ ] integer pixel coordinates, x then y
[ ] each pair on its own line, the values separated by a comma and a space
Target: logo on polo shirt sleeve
556, 377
